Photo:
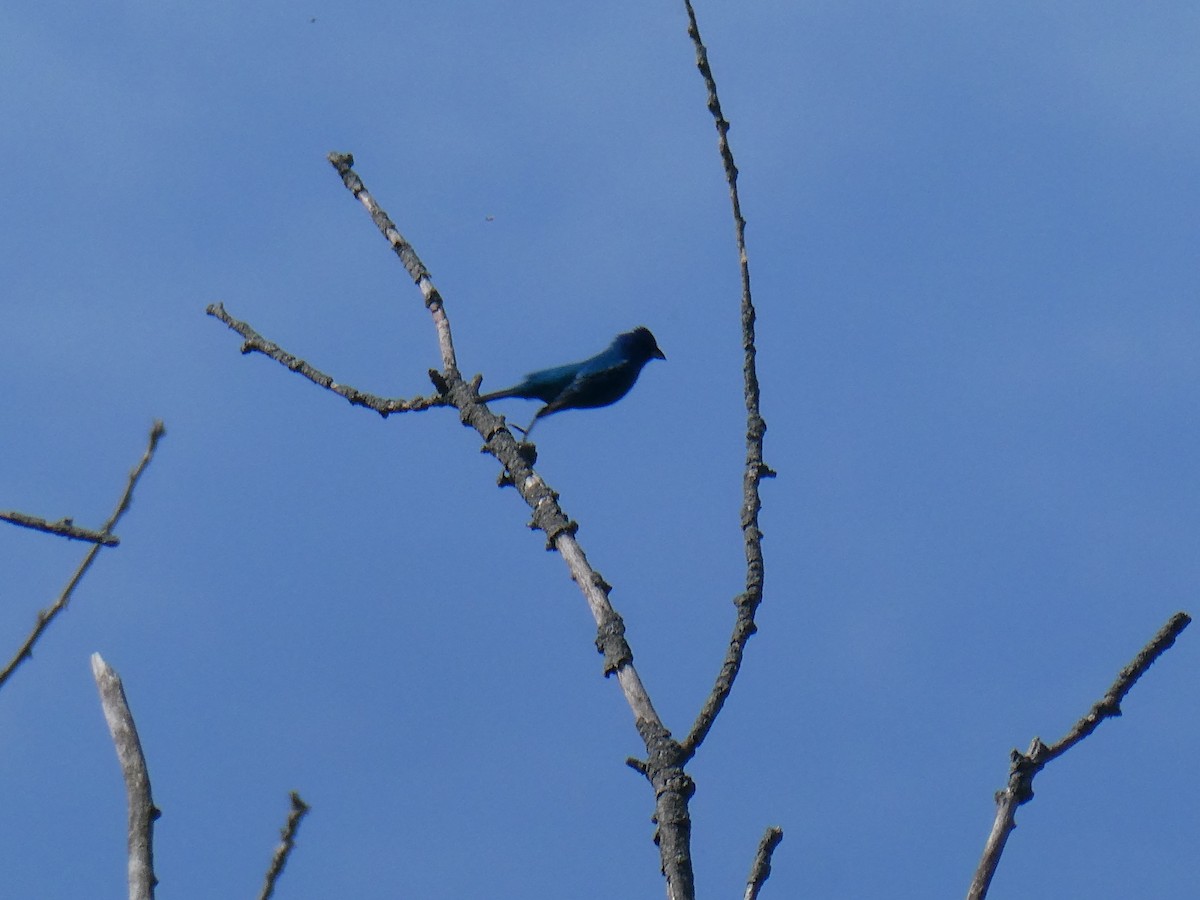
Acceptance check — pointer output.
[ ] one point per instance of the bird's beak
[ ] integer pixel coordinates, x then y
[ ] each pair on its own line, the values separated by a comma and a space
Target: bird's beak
658, 354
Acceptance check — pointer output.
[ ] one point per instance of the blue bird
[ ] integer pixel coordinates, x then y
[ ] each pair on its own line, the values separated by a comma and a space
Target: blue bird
603, 379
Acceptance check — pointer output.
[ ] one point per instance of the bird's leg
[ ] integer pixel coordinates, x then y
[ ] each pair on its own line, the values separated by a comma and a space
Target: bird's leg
541, 412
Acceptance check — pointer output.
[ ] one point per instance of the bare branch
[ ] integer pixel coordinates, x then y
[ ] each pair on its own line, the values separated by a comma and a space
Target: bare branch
756, 470
46, 616
142, 811
1109, 706
517, 458
344, 163
672, 786
1026, 765
760, 871
63, 527
284, 850
256, 343
548, 516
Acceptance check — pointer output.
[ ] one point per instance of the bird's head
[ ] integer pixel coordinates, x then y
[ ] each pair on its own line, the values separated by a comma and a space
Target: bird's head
642, 343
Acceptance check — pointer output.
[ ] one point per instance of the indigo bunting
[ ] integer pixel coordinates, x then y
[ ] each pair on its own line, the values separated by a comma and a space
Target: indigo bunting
603, 379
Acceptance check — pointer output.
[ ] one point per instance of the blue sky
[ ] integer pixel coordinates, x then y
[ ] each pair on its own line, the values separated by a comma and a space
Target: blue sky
972, 233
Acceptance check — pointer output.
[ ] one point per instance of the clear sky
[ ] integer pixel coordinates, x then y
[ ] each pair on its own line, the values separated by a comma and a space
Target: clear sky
973, 230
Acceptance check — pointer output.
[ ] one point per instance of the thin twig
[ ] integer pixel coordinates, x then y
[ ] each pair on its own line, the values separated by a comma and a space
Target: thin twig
284, 850
344, 163
760, 871
255, 343
46, 616
63, 527
756, 470
1026, 765
142, 811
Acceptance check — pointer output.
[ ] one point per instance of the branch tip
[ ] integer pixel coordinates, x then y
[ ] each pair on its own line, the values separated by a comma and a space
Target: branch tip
287, 835
760, 869
142, 811
1024, 767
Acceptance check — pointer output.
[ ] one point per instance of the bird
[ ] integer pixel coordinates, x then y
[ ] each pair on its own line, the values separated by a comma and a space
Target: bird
597, 381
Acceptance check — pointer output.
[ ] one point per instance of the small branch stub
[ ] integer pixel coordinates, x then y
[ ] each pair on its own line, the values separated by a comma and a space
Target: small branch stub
611, 643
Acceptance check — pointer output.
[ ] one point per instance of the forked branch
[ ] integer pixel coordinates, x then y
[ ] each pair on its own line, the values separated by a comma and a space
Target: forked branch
673, 786
48, 615
1026, 765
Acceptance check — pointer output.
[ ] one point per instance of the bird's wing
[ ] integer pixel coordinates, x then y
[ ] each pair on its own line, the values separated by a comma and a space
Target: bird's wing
601, 380
547, 384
